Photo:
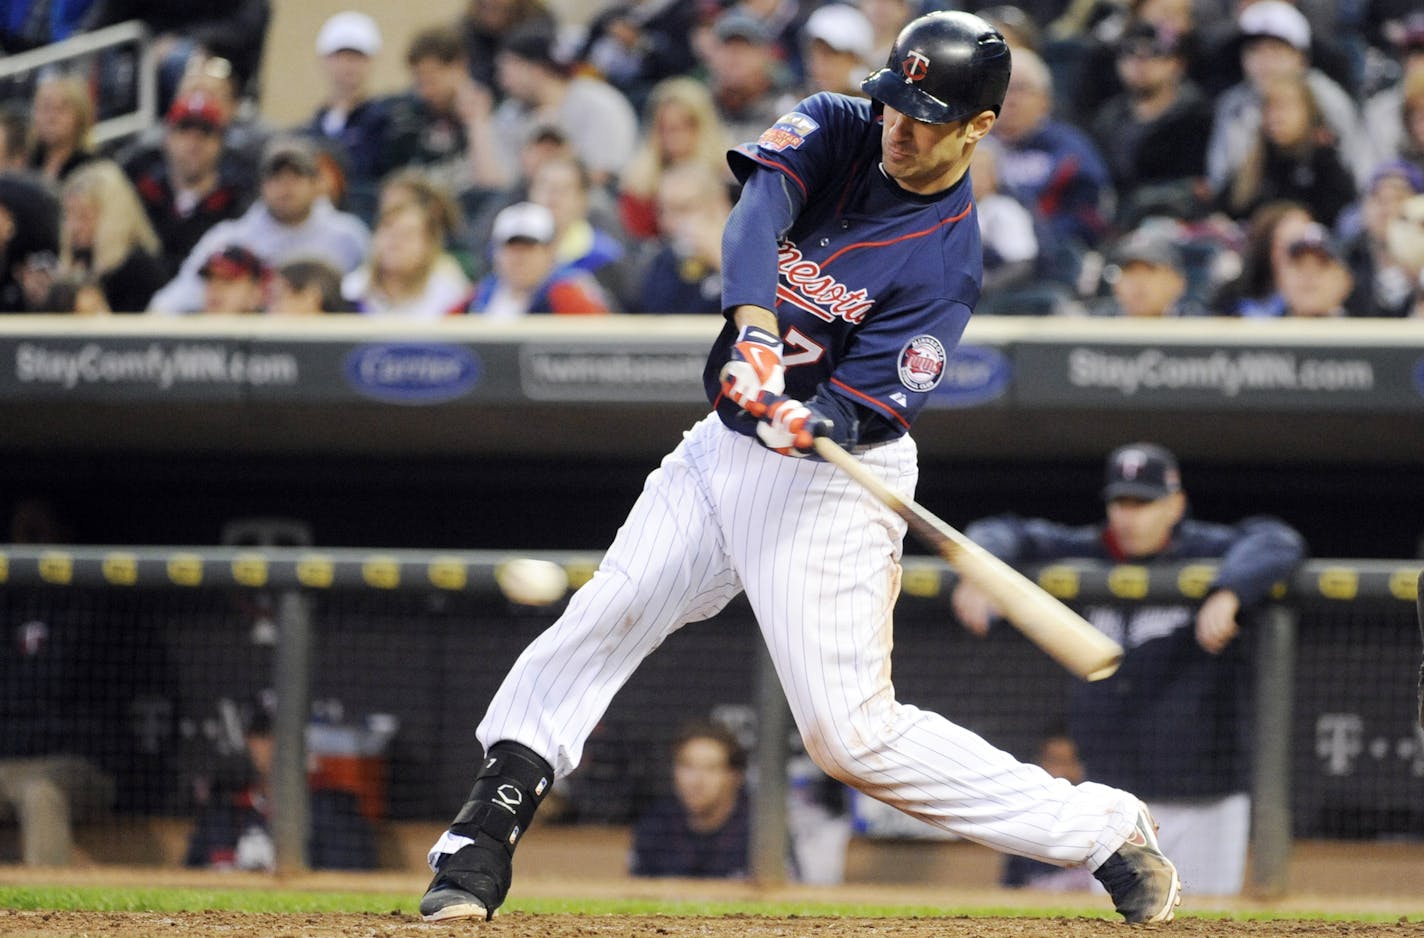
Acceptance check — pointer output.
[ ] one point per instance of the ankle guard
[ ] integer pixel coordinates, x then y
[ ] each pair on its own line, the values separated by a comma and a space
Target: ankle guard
512, 782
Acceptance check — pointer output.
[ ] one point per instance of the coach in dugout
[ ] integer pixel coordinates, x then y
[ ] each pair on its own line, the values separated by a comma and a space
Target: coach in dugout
1173, 723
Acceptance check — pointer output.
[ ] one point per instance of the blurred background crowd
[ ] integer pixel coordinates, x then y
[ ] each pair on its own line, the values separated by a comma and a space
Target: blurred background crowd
1154, 158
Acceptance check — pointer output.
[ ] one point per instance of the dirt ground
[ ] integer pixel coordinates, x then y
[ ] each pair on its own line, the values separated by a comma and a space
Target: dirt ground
397, 925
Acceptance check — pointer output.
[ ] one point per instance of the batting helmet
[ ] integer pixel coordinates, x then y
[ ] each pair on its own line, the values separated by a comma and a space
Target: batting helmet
943, 67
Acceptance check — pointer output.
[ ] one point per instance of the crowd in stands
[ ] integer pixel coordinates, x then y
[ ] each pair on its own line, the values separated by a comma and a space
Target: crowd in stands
1154, 158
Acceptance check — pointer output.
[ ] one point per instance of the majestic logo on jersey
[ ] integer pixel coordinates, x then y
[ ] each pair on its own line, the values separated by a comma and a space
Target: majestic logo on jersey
788, 133
922, 363
915, 65
805, 286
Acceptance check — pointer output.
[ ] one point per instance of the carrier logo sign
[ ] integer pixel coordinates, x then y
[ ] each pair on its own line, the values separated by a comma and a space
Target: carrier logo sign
412, 373
916, 65
922, 363
973, 375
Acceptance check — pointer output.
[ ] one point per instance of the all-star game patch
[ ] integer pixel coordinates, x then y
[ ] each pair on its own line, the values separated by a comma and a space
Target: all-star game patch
788, 133
922, 362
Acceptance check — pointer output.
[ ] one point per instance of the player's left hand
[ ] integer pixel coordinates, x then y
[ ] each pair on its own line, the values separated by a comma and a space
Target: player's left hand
787, 425
754, 368
1216, 621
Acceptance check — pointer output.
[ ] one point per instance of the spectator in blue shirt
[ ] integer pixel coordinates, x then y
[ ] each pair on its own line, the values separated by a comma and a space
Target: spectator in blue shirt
703, 828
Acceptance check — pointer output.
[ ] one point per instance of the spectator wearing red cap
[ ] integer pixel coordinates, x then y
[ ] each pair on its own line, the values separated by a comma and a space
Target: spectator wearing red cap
197, 184
292, 218
234, 281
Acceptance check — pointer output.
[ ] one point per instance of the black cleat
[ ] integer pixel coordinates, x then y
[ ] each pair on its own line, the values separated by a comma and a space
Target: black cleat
445, 900
469, 883
1143, 883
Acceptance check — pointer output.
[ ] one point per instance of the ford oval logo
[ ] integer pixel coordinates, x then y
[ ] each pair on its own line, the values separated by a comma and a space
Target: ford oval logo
973, 375
406, 373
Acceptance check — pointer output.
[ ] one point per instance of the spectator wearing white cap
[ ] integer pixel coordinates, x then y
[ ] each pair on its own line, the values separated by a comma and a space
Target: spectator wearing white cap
1275, 43
349, 118
527, 277
837, 42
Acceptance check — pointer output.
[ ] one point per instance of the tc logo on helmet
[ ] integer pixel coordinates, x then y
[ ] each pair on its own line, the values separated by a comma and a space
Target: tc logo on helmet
915, 66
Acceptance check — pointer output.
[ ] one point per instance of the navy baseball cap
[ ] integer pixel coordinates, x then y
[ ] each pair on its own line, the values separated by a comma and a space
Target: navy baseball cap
1141, 470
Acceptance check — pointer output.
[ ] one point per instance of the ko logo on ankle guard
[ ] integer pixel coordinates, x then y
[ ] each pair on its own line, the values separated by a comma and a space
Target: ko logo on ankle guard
509, 797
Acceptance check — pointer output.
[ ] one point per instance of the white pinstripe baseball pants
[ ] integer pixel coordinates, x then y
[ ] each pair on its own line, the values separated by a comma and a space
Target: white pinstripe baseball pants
818, 558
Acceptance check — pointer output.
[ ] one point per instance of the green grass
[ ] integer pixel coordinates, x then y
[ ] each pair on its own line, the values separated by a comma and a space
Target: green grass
170, 900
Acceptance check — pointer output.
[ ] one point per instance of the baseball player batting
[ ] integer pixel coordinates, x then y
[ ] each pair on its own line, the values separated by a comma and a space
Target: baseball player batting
852, 265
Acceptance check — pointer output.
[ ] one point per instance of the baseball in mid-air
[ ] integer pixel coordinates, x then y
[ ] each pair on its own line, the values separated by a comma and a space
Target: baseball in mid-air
531, 582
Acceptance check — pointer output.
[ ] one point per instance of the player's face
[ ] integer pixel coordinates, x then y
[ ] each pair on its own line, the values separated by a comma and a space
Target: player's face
1142, 528
925, 158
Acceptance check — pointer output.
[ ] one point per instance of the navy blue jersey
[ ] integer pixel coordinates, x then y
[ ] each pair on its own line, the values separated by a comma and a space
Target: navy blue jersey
872, 285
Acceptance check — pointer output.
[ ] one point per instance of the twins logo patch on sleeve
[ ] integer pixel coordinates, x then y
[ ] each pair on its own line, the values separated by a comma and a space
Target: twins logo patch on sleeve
788, 133
922, 362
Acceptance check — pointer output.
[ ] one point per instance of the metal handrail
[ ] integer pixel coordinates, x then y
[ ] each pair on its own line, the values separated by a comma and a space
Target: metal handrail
86, 44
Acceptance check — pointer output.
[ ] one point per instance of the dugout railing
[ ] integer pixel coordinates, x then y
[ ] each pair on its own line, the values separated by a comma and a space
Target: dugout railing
421, 639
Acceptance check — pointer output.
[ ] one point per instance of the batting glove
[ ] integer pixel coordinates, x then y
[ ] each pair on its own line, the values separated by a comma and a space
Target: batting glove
755, 367
787, 425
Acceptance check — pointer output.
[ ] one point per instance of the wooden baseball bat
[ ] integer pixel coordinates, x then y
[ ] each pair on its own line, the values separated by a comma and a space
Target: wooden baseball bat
1062, 633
